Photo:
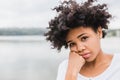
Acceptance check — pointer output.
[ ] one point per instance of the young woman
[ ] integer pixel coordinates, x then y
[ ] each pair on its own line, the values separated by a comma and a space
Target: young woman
79, 27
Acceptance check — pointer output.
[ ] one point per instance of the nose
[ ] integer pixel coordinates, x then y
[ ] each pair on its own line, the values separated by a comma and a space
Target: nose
80, 47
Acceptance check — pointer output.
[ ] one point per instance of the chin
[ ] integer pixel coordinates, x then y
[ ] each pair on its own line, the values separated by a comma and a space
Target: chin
89, 60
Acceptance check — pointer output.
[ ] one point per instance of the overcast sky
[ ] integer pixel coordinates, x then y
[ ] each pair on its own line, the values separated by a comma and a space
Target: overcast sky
37, 13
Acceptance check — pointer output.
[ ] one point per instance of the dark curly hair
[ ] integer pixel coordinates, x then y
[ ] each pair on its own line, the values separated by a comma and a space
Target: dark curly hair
72, 15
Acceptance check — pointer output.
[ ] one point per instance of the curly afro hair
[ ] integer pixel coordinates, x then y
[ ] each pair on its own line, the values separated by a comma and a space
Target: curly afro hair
72, 15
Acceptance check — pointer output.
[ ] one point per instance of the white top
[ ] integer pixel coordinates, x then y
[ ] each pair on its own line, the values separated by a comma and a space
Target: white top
111, 73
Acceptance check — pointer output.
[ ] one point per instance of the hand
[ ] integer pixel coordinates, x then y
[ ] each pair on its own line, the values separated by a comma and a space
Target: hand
75, 63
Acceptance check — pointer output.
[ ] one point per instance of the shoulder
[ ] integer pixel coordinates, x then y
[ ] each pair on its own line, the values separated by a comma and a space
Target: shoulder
62, 70
63, 64
116, 58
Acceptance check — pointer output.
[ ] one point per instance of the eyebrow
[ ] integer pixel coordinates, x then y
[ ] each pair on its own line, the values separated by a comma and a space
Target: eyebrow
81, 35
77, 37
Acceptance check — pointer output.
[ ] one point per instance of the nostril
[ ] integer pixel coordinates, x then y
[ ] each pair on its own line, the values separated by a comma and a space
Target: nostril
79, 49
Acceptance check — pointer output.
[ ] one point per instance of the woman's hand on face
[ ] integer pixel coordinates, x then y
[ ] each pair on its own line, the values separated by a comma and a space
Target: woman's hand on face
75, 63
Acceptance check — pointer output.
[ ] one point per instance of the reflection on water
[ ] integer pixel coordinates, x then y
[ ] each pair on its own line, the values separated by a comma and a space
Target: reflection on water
31, 58
27, 58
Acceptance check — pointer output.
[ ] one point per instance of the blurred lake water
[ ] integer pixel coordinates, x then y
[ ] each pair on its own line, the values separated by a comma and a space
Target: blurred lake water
31, 57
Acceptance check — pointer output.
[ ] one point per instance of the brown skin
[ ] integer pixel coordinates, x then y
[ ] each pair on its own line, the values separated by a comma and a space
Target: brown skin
86, 55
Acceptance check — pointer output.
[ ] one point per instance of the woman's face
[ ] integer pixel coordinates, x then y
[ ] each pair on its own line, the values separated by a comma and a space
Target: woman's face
85, 42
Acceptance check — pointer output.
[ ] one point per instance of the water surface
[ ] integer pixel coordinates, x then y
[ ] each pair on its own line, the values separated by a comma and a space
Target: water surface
31, 58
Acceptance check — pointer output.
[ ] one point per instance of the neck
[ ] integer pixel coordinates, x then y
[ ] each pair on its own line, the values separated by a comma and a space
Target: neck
97, 66
100, 59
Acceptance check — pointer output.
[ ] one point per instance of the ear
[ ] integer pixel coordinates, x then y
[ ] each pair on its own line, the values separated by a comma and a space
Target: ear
99, 32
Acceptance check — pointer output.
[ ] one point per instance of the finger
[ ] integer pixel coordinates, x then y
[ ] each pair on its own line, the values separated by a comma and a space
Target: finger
75, 52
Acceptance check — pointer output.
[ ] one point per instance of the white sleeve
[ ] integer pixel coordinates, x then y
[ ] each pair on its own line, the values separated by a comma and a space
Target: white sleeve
62, 70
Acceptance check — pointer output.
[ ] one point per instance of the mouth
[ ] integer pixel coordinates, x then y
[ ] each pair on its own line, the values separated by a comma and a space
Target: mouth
86, 55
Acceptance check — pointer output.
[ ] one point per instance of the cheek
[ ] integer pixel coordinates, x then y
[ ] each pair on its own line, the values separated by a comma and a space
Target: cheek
94, 45
73, 48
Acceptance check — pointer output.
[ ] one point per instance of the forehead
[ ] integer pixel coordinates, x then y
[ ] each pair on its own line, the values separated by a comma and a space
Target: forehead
79, 30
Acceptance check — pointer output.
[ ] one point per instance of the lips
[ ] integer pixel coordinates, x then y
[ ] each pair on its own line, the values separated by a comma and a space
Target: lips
86, 55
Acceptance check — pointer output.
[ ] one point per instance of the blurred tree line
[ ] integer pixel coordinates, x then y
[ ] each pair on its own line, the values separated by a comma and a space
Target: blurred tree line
21, 31
40, 31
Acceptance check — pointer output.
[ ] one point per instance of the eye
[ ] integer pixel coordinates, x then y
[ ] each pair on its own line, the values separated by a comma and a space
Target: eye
71, 44
84, 38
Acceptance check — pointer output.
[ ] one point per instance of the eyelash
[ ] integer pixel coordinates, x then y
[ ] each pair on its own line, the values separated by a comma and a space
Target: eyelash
71, 44
84, 38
